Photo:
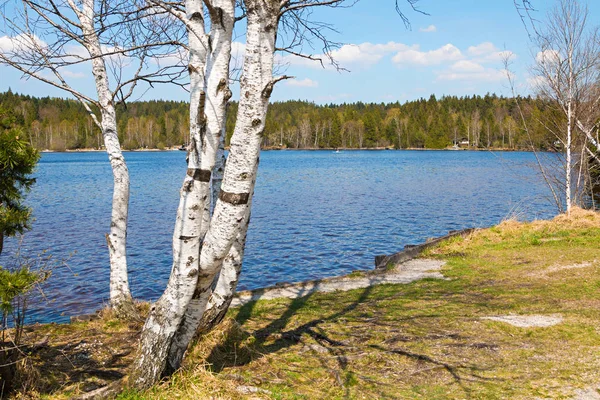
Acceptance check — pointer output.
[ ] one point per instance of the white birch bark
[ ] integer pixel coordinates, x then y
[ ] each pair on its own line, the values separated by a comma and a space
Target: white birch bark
222, 13
568, 161
226, 285
217, 176
227, 281
120, 295
231, 210
222, 294
233, 205
570, 99
167, 313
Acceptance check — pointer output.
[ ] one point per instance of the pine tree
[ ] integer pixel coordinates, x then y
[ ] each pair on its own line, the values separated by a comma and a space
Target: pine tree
17, 162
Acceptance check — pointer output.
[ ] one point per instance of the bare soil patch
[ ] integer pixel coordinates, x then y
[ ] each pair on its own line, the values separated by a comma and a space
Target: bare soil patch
528, 321
407, 272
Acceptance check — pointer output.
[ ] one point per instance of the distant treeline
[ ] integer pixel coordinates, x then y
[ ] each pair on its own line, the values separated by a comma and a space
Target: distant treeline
482, 122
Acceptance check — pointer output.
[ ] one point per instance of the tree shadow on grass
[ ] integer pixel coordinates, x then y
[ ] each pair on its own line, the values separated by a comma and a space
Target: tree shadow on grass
88, 359
274, 337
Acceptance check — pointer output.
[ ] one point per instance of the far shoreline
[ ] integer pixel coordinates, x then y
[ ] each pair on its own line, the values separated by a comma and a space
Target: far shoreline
494, 149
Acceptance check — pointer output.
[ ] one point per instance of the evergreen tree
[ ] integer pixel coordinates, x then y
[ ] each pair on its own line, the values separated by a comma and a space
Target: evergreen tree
17, 161
336, 131
390, 133
370, 138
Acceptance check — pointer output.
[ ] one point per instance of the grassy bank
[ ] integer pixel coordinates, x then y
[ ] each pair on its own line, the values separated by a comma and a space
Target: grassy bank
429, 339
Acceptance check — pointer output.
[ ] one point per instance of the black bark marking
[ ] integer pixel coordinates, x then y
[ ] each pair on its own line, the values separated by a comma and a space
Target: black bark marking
192, 273
228, 94
196, 16
201, 118
222, 85
235, 199
220, 16
256, 122
201, 175
266, 93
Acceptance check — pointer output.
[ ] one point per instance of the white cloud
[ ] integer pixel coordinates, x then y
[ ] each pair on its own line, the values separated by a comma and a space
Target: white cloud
487, 52
70, 74
302, 83
350, 55
430, 28
413, 56
502, 56
536, 82
482, 49
466, 66
472, 72
6, 44
20, 43
365, 53
547, 57
78, 51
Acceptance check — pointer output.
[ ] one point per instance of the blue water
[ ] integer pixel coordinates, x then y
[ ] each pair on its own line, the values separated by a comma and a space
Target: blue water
315, 214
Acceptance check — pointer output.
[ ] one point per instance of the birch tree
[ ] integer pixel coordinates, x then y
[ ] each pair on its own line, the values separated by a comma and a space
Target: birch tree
208, 248
567, 73
44, 40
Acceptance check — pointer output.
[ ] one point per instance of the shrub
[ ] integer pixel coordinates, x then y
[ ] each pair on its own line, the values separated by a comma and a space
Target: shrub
16, 284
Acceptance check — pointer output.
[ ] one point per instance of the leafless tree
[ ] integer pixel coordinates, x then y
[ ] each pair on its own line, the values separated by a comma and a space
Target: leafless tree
208, 249
567, 75
122, 44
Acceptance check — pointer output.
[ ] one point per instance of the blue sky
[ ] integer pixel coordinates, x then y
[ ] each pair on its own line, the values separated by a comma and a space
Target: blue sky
455, 50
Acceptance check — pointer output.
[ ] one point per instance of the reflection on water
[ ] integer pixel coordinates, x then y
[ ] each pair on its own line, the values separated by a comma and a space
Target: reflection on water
315, 214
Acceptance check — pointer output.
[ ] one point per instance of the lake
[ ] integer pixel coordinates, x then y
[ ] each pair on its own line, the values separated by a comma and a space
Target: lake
315, 214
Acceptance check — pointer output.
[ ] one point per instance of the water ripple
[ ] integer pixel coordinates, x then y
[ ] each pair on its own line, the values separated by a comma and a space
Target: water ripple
315, 214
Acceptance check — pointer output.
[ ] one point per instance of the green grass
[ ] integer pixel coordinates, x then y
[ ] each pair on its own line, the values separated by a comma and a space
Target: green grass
425, 340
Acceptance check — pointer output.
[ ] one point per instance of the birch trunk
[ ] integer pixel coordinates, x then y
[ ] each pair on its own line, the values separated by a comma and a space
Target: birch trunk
225, 287
222, 294
570, 99
222, 13
217, 177
232, 208
211, 315
120, 295
568, 158
167, 313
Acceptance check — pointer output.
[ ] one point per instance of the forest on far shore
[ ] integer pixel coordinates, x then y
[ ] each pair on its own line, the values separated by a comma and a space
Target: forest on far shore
488, 121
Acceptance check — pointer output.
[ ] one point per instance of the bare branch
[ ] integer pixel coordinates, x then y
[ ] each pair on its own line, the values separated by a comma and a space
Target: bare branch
405, 19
